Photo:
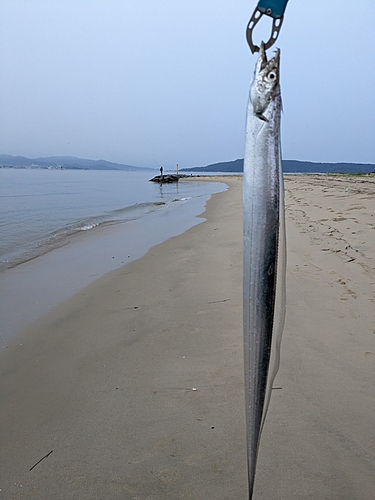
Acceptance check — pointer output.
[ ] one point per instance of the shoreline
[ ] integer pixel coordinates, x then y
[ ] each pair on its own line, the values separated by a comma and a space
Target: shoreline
33, 288
136, 382
43, 209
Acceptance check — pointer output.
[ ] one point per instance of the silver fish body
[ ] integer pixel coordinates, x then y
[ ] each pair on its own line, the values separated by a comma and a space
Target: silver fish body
264, 249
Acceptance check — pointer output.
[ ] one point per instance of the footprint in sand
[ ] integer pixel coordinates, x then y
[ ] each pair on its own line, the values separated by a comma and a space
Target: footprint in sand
168, 476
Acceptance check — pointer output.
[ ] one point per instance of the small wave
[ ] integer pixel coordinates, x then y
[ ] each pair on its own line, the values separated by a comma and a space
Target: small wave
140, 208
87, 227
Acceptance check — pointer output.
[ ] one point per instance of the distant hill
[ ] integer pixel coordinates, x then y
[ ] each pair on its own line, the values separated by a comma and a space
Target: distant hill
292, 166
71, 162
64, 162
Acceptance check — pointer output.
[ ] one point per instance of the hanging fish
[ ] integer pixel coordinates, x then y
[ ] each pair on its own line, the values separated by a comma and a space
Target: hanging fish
264, 249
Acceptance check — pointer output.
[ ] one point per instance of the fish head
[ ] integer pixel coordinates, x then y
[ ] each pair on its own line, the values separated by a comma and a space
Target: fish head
266, 83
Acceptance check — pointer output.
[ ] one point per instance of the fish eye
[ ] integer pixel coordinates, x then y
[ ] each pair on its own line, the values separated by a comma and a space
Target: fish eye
272, 76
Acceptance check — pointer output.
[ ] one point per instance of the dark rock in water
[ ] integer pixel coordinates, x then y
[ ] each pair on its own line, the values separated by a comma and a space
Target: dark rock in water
165, 178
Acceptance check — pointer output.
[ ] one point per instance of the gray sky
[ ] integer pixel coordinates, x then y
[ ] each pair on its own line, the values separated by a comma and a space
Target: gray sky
133, 81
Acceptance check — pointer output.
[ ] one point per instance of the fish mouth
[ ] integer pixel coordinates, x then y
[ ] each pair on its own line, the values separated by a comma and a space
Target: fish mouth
264, 63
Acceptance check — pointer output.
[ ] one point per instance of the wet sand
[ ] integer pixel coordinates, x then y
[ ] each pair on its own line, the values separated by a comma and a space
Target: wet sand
136, 383
32, 289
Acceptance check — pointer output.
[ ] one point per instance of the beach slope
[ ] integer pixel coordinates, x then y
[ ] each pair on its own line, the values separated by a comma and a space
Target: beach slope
136, 383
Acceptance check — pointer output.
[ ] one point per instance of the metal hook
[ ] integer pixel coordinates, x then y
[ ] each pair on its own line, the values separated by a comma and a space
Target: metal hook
276, 26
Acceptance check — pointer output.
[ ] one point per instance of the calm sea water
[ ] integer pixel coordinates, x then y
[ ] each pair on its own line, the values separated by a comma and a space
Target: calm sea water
40, 209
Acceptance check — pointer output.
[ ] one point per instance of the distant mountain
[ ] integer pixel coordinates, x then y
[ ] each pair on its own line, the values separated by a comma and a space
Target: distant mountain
289, 166
292, 166
64, 162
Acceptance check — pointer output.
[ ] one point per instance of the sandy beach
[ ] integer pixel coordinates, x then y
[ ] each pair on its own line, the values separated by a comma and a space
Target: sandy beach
135, 384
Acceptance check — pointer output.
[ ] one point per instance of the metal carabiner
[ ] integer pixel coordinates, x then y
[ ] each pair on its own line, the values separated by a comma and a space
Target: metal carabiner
271, 8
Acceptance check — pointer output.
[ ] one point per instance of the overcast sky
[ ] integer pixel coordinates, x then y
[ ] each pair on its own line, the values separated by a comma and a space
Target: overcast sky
139, 81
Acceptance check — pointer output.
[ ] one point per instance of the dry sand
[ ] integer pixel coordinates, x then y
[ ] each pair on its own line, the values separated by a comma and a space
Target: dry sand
136, 382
